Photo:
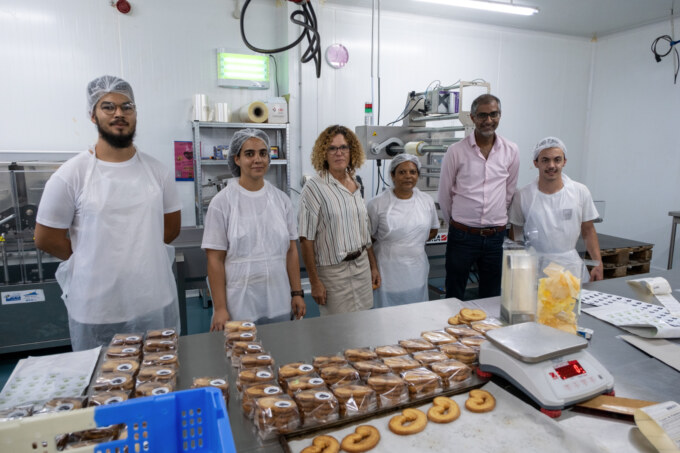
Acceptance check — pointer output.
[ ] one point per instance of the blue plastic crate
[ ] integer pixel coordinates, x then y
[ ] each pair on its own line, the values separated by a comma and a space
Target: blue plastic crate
190, 420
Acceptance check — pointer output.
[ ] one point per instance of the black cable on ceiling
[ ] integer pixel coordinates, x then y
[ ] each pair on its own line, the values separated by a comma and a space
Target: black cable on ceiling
306, 18
276, 73
658, 56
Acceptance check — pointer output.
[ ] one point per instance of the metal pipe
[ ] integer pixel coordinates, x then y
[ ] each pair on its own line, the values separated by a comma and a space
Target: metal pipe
7, 219
452, 116
438, 129
38, 258
425, 149
4, 260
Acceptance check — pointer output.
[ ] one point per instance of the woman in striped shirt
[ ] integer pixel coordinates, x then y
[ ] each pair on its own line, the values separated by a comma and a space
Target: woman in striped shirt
334, 228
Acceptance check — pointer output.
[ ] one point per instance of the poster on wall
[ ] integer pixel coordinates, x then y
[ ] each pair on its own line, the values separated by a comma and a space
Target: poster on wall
184, 161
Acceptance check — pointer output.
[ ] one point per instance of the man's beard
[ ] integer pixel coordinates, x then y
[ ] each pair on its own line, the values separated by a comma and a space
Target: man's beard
116, 141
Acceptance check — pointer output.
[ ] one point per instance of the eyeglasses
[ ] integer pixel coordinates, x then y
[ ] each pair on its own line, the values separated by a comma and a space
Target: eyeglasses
334, 149
128, 108
484, 116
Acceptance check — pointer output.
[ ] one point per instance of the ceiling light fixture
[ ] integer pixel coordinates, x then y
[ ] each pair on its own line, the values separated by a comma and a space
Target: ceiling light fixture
509, 8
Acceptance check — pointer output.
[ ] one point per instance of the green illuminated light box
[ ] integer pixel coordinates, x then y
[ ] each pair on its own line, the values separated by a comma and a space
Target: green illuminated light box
236, 70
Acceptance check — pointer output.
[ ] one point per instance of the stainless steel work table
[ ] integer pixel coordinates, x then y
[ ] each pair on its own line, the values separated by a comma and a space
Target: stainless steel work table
636, 374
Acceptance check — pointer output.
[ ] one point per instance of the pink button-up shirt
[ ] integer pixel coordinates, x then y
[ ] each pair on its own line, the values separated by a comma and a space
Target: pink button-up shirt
475, 191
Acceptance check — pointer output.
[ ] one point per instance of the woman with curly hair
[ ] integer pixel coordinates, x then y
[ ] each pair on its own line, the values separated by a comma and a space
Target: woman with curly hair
334, 228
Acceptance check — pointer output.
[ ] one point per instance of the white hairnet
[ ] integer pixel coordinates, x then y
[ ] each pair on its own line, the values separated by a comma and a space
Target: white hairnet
401, 158
549, 142
103, 85
237, 141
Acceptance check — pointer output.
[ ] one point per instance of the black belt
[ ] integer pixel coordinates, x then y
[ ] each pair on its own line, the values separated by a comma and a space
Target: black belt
488, 231
354, 255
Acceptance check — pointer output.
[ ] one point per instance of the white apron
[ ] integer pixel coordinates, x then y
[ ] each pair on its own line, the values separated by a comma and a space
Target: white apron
553, 225
120, 271
257, 278
401, 256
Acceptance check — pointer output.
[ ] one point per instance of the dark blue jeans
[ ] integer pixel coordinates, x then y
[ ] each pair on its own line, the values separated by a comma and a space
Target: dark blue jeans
462, 251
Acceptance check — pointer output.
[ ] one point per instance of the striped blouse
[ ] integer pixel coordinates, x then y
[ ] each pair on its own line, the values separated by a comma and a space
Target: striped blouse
334, 218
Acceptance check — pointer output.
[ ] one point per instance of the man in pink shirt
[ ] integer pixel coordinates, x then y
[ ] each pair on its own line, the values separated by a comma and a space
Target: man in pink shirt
477, 182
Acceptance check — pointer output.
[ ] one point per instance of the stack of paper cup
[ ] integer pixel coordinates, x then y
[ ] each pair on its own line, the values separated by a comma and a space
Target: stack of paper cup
221, 112
201, 108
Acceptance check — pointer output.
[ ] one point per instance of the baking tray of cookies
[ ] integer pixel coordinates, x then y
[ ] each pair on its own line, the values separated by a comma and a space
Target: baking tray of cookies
512, 426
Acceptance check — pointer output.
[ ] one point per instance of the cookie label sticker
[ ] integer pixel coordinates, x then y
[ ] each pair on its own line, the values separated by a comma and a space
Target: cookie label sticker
160, 391
164, 372
118, 380
129, 350
113, 400
64, 407
247, 335
132, 338
124, 367
248, 324
254, 346
283, 404
263, 374
217, 382
316, 381
306, 368
167, 357
264, 357
271, 390
322, 395
166, 342
168, 333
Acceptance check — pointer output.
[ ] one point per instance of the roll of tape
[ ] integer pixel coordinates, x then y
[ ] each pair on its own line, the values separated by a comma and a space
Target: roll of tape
414, 148
255, 112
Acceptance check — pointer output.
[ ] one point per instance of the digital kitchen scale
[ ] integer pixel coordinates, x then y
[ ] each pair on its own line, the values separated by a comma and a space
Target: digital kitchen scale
549, 365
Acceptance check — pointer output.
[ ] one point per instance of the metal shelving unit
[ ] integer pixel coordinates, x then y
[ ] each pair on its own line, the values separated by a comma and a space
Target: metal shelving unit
215, 173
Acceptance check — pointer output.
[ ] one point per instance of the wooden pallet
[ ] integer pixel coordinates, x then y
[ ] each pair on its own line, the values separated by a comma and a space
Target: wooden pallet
620, 262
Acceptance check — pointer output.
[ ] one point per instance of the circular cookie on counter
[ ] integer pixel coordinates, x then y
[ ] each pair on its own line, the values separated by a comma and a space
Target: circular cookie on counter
391, 350
251, 376
162, 334
157, 373
256, 391
298, 384
469, 315
480, 401
416, 344
295, 369
364, 438
124, 351
166, 359
217, 382
239, 326
153, 388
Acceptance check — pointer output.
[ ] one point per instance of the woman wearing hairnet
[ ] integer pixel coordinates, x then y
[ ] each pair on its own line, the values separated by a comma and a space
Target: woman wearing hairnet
334, 231
250, 238
402, 220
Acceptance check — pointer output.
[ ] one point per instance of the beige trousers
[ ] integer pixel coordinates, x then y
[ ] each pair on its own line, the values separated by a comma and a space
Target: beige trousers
348, 286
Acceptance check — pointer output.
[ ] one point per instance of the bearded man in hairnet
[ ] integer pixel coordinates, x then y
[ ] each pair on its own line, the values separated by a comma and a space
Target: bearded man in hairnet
109, 213
551, 212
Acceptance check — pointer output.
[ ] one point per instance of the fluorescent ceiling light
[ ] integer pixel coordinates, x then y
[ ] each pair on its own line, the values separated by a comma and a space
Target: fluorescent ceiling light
509, 8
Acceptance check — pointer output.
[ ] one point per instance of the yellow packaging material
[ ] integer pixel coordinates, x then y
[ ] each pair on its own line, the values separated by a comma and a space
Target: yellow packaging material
557, 297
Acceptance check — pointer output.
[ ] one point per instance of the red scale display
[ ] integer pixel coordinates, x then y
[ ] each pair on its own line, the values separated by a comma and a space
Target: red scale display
571, 369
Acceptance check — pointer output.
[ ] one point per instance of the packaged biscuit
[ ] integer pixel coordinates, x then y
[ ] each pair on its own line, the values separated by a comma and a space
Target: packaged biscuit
317, 406
276, 415
454, 374
252, 393
422, 382
390, 389
355, 399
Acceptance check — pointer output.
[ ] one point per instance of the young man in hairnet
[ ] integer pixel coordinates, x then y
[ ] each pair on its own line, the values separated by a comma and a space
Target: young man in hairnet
109, 213
551, 212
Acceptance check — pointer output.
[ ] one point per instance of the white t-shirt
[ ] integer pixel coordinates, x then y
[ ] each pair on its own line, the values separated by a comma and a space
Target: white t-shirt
60, 202
558, 215
217, 218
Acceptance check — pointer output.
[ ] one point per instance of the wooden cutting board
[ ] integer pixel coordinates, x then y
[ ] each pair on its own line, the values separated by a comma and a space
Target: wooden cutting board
614, 404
